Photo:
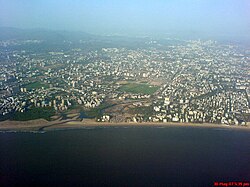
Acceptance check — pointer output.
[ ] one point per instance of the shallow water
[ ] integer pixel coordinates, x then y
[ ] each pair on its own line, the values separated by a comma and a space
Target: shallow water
135, 156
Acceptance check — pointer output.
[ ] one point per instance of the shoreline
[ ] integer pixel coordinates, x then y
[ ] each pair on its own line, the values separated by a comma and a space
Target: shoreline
41, 125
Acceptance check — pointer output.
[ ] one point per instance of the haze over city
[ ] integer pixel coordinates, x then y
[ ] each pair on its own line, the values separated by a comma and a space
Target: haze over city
124, 93
227, 19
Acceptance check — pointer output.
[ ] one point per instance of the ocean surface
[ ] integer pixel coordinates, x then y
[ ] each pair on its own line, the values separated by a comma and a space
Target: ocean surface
132, 156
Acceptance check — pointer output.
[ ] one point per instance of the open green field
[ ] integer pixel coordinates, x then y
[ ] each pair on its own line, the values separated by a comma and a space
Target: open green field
139, 88
35, 85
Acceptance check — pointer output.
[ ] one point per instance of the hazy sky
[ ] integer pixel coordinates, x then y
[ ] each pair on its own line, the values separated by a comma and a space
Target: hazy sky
229, 17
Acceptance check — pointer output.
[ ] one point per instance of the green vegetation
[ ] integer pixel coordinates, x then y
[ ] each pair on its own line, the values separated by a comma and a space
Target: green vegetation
33, 113
96, 112
146, 111
35, 85
139, 88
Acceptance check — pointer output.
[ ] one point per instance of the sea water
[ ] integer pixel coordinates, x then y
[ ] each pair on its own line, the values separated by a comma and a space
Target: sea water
133, 156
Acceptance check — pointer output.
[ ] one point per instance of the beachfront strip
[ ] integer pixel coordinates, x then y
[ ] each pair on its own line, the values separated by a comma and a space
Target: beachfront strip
190, 81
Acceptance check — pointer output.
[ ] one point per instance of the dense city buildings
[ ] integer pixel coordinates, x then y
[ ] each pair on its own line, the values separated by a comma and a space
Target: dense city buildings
187, 81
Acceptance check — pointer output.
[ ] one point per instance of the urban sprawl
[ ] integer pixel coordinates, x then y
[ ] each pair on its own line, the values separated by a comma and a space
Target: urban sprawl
191, 82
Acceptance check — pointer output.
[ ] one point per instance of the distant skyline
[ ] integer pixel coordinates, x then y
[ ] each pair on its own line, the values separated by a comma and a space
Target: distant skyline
230, 18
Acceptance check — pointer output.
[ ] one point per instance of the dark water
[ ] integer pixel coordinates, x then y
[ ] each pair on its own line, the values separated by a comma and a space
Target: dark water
169, 156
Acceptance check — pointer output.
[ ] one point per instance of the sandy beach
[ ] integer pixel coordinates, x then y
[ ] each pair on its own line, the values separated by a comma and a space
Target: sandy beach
44, 125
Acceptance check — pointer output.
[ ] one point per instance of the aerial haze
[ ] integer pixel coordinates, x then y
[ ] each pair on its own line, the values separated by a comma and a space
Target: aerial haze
124, 93
208, 18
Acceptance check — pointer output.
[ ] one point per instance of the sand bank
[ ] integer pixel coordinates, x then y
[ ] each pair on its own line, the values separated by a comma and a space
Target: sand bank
43, 125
